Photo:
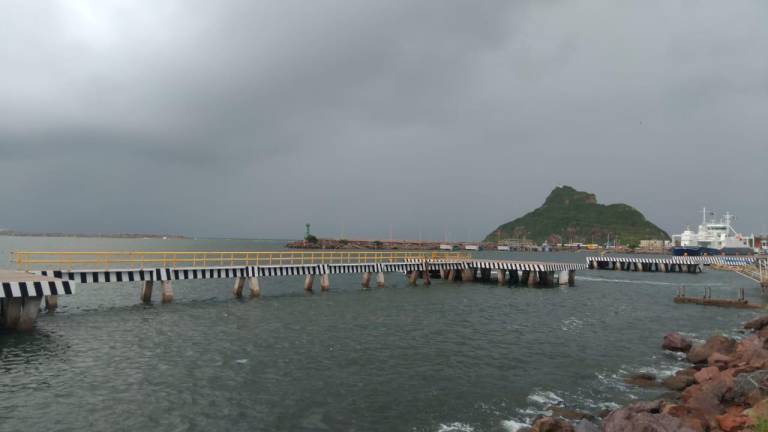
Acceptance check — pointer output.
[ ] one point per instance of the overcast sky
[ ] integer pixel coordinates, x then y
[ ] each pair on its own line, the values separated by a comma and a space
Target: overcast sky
250, 118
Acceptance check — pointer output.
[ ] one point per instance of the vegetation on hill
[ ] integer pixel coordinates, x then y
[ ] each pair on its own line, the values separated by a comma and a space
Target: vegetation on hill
571, 216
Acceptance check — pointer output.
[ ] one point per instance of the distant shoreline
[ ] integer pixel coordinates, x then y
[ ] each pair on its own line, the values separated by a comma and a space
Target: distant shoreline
8, 233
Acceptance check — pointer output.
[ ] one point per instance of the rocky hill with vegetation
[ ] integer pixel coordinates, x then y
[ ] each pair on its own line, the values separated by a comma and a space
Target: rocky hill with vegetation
571, 216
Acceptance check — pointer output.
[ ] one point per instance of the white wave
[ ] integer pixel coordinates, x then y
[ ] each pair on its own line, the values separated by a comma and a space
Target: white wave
455, 427
241, 361
545, 398
512, 425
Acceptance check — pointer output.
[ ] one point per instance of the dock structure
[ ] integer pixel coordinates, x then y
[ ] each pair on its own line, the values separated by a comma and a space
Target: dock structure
147, 269
21, 294
666, 264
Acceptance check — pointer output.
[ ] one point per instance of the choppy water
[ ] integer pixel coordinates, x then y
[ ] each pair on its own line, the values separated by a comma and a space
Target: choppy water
449, 357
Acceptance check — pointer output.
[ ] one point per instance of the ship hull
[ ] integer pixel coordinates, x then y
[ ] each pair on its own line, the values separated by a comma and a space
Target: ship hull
705, 251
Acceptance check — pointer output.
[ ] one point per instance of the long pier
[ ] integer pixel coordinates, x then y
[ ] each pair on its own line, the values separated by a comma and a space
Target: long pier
667, 264
247, 268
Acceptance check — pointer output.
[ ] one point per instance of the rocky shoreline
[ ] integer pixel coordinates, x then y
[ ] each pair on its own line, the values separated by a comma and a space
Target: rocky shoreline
725, 389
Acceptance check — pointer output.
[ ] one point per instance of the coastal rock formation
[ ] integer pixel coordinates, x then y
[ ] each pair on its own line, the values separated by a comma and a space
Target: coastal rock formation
569, 216
725, 391
676, 342
642, 379
715, 344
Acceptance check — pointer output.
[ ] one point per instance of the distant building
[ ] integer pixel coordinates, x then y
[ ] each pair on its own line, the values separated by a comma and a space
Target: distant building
652, 244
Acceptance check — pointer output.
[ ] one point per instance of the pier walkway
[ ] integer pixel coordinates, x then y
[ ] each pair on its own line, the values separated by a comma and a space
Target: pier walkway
667, 264
147, 268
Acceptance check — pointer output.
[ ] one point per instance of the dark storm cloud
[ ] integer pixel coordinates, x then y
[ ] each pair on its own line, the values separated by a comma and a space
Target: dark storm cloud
251, 118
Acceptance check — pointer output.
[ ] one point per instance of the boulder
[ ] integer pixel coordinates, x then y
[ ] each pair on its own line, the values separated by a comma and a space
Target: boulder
732, 419
757, 324
550, 424
749, 388
715, 344
629, 419
676, 342
678, 381
642, 379
706, 374
720, 361
585, 426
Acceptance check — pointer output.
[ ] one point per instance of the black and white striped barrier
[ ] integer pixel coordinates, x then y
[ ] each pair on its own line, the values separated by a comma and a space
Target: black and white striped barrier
36, 289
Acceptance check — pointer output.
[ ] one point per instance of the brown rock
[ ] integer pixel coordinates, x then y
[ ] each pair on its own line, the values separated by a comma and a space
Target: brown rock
678, 381
642, 379
549, 424
676, 342
720, 361
706, 374
628, 420
757, 324
691, 417
731, 422
715, 344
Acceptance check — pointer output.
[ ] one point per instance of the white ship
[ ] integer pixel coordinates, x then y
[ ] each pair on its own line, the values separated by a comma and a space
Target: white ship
713, 238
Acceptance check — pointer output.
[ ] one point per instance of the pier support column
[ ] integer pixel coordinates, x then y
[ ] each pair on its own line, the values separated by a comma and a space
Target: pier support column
29, 313
325, 282
366, 281
146, 292
451, 275
255, 288
51, 303
468, 275
571, 277
308, 282
425, 274
562, 278
532, 278
514, 278
443, 274
167, 296
380, 279
501, 276
413, 276
616, 265
12, 312
237, 291
485, 275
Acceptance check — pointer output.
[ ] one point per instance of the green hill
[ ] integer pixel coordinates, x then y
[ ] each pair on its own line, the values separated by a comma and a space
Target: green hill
569, 216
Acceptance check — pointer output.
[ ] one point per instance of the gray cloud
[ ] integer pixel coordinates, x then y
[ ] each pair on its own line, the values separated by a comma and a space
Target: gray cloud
251, 118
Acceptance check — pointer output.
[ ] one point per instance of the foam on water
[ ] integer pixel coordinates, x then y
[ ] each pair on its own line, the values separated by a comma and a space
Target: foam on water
646, 282
513, 425
455, 427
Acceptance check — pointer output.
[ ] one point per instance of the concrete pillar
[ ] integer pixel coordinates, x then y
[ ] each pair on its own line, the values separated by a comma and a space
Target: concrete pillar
562, 278
325, 282
380, 279
443, 274
12, 312
514, 278
146, 292
501, 276
485, 275
308, 282
451, 275
29, 313
533, 278
425, 274
51, 303
413, 276
167, 291
524, 277
366, 282
468, 275
255, 288
237, 291
571, 277
616, 265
